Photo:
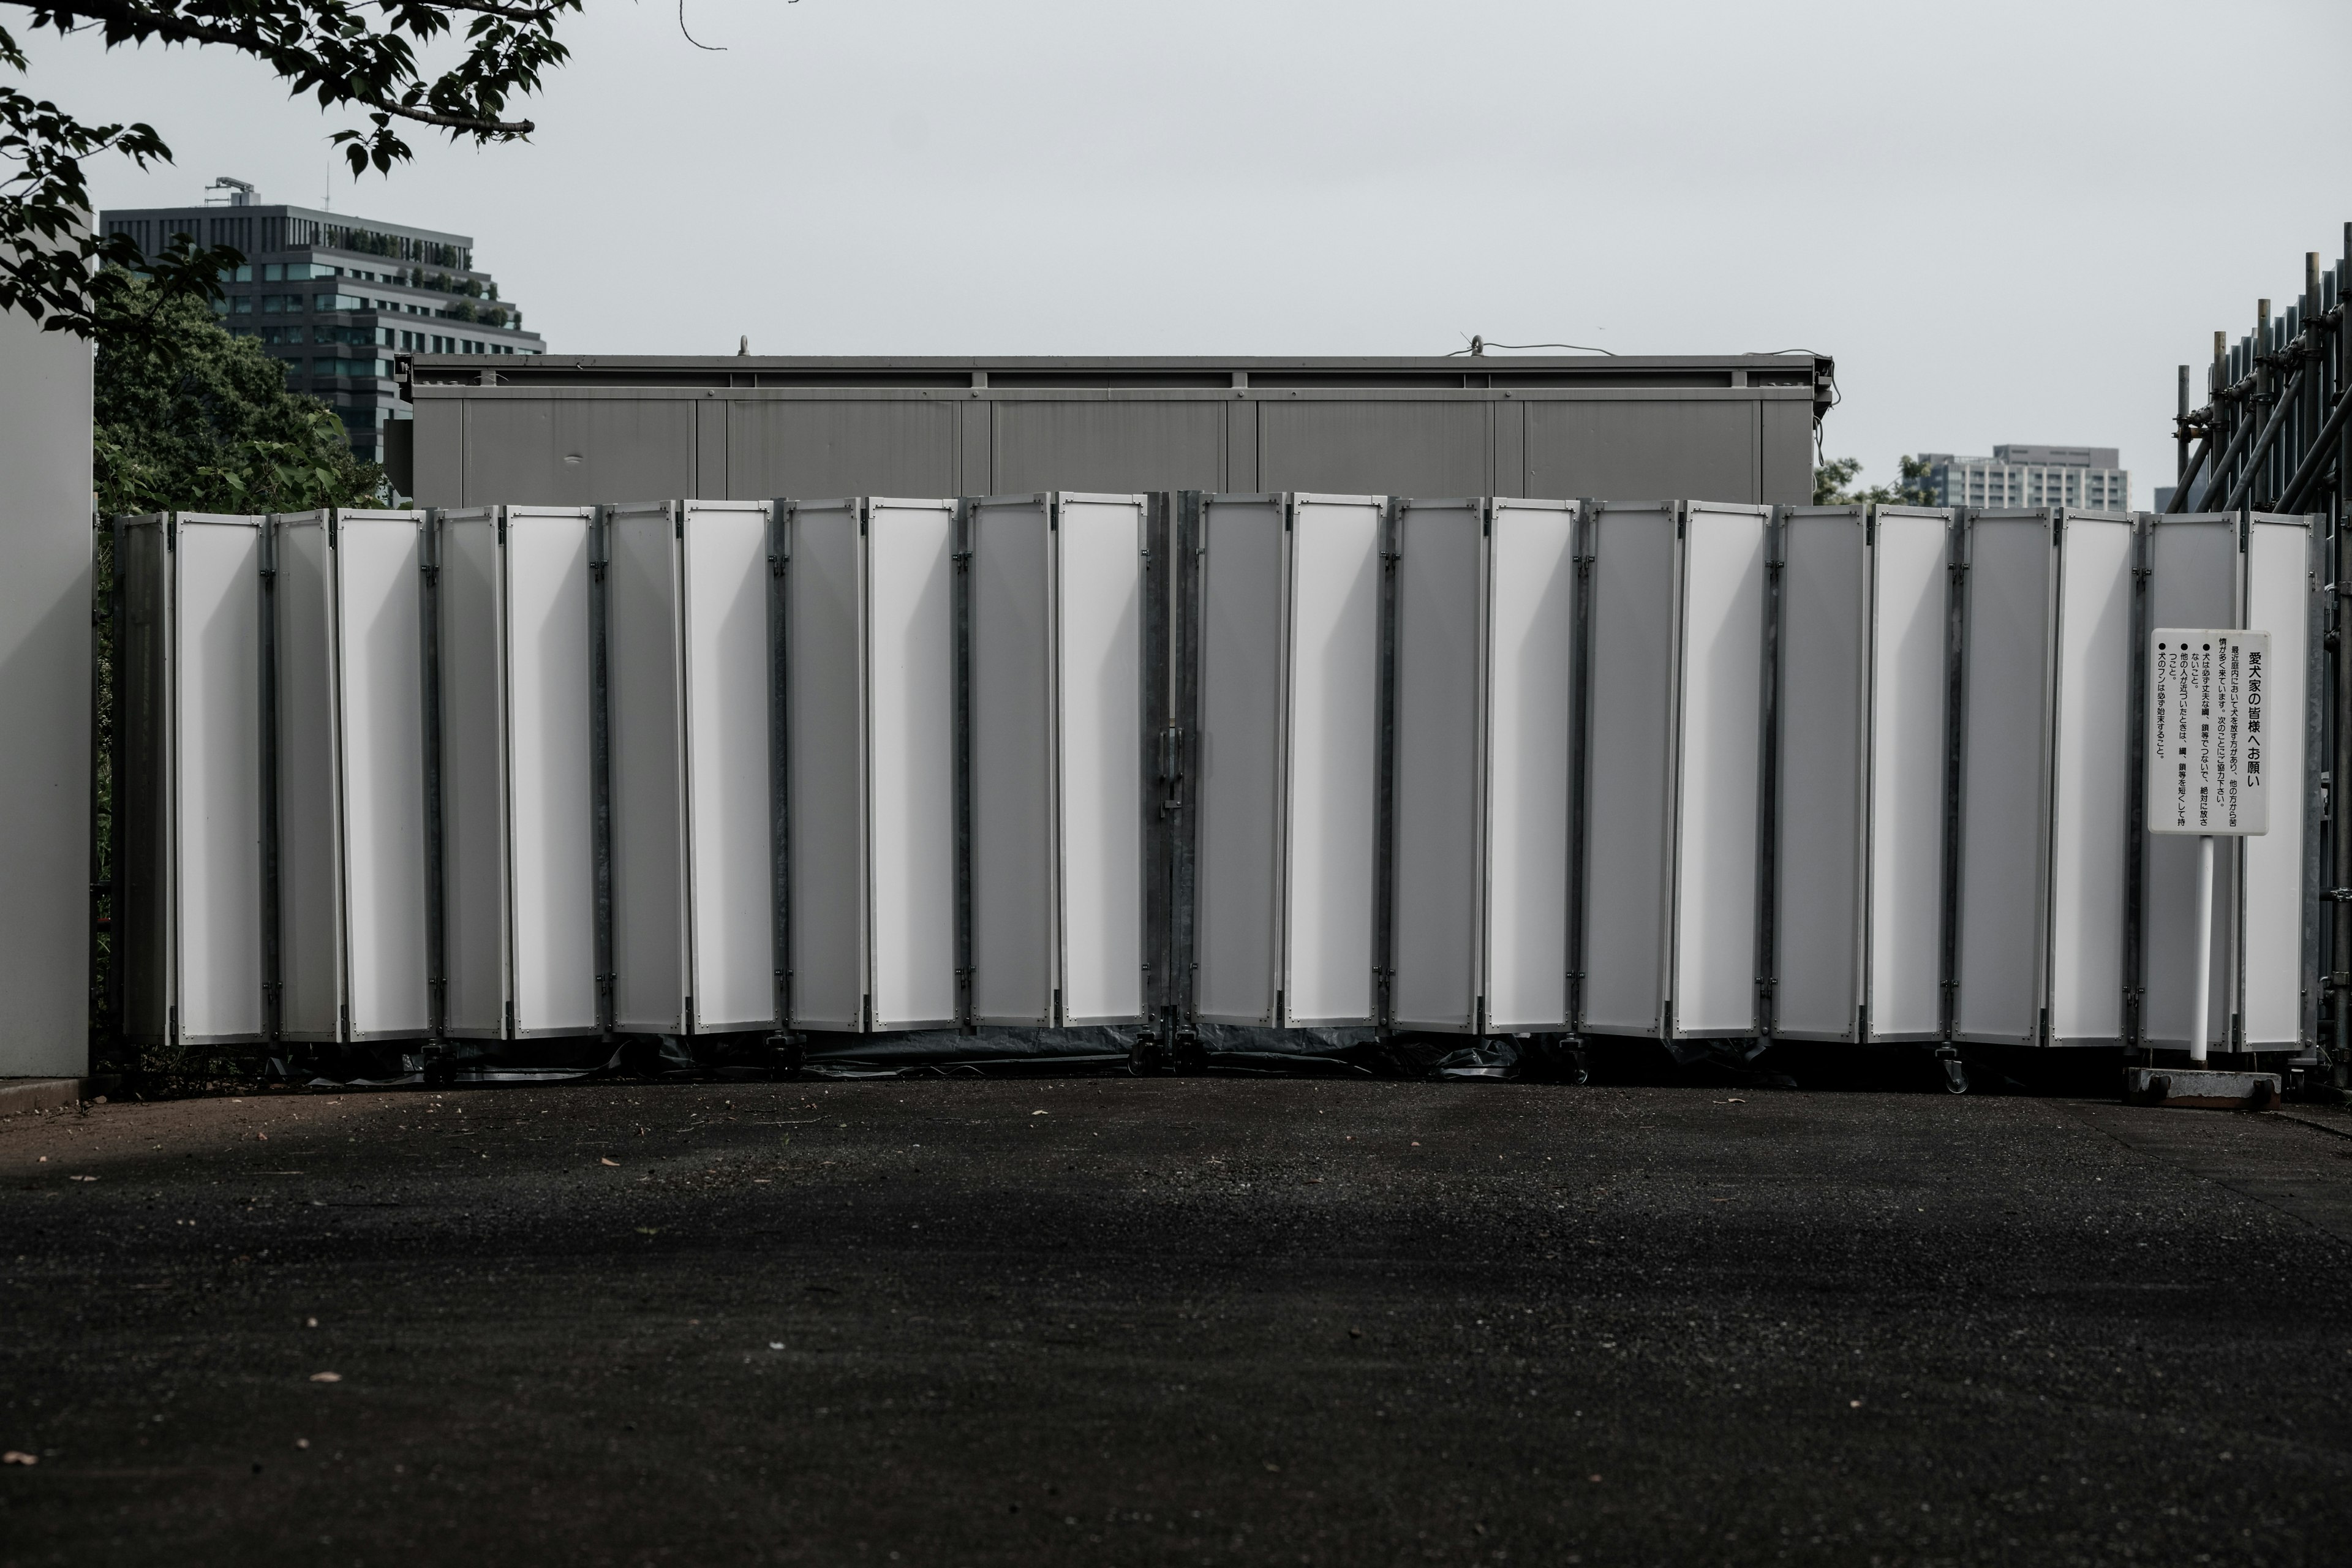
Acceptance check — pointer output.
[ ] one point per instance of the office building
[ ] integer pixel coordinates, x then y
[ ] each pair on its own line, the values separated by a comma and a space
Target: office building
2020, 476
335, 297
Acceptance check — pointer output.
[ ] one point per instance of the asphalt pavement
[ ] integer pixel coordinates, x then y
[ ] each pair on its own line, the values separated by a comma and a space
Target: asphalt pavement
1173, 1320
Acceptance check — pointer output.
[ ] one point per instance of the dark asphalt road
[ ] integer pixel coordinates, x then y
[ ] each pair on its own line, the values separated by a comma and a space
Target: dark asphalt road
1172, 1321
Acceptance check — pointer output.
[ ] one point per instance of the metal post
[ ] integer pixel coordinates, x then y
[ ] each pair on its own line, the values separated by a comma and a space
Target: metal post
2180, 437
2340, 710
1384, 891
2314, 388
1955, 737
273, 987
1766, 990
1183, 728
600, 750
1151, 1052
2197, 1028
434, 1065
117, 743
782, 1045
2134, 955
1579, 744
965, 526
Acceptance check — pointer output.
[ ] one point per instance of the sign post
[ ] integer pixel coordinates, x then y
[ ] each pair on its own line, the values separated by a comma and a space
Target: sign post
2205, 768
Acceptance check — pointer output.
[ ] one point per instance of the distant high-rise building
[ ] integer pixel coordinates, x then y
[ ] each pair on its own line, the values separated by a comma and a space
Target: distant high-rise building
2018, 475
334, 297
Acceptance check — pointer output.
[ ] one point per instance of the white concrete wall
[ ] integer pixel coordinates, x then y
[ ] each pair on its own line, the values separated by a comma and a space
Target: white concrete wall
44, 675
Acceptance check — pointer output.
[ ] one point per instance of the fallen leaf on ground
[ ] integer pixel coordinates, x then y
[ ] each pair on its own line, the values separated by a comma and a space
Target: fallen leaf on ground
326, 1377
81, 1178
611, 1162
15, 1457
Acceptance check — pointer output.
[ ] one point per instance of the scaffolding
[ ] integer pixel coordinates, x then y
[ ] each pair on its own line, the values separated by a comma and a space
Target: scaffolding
2273, 437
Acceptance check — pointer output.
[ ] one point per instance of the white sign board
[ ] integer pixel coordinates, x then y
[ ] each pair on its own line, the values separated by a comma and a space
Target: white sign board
2205, 774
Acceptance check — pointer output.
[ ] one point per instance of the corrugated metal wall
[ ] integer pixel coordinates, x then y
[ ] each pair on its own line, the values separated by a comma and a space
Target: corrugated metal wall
553, 431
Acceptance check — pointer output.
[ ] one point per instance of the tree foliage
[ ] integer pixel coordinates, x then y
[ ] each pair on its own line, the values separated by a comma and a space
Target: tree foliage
357, 53
191, 419
1832, 483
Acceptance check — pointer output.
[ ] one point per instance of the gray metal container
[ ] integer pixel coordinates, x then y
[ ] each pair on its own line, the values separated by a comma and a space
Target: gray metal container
575, 430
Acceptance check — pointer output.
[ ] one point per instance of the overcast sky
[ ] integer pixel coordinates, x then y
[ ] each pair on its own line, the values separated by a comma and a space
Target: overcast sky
2008, 221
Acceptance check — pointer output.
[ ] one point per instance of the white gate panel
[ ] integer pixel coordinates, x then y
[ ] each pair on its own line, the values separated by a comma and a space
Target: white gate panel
2005, 775
473, 702
380, 660
644, 735
550, 782
730, 929
1531, 640
1013, 701
217, 721
825, 662
188, 841
1824, 756
1243, 638
1099, 788
1629, 761
910, 771
1719, 776
310, 806
1909, 711
1441, 580
2093, 782
1332, 788
2192, 564
2278, 935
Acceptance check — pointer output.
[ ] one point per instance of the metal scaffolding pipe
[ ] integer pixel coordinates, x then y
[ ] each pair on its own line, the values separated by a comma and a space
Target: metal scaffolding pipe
2181, 437
2179, 501
2262, 443
2220, 467
2339, 707
2315, 460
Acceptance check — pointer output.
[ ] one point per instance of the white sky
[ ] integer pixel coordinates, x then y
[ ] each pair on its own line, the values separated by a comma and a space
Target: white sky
2008, 219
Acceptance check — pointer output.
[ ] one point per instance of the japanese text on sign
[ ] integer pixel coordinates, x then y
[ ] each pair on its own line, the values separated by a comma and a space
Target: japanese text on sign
2205, 740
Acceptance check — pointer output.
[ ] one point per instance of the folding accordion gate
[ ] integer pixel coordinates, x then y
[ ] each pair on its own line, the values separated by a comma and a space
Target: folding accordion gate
1078, 772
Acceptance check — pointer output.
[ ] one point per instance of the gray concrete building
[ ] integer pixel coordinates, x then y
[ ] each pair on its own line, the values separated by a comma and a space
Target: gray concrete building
2030, 476
335, 298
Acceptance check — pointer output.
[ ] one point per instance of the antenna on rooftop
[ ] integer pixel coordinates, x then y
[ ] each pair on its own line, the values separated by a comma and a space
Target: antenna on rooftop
240, 193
